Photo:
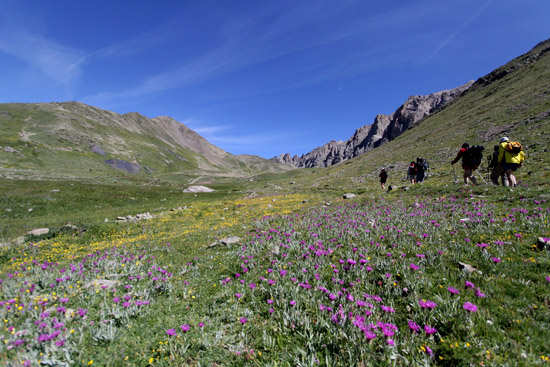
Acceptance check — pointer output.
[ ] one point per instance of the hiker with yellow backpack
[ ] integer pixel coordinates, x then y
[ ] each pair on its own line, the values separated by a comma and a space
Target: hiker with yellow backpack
510, 157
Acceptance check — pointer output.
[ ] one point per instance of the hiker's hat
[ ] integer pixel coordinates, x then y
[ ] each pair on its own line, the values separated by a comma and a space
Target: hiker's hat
503, 139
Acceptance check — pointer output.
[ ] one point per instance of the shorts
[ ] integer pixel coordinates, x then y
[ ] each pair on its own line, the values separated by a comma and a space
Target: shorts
467, 167
512, 166
382, 180
496, 172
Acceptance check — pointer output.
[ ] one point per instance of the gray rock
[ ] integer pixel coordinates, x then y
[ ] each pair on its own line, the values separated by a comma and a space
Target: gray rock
124, 165
468, 268
39, 231
9, 150
348, 196
97, 150
225, 241
144, 216
195, 189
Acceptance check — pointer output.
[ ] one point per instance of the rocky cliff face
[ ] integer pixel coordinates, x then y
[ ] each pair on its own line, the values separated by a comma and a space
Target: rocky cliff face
383, 129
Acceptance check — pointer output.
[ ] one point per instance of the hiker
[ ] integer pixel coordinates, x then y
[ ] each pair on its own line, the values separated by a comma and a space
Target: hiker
468, 162
421, 168
510, 157
411, 172
496, 169
383, 178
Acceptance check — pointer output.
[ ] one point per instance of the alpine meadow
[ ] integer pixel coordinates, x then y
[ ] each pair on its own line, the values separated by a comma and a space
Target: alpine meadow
133, 241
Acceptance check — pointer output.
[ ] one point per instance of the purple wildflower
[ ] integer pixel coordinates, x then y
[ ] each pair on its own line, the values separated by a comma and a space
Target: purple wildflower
429, 329
369, 334
414, 326
427, 304
453, 290
185, 327
480, 294
171, 332
470, 307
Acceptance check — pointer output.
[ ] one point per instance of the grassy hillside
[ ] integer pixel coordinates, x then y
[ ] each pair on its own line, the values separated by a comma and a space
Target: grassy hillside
512, 101
55, 140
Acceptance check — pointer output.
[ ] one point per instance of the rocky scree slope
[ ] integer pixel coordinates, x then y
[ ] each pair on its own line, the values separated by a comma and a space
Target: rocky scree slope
383, 129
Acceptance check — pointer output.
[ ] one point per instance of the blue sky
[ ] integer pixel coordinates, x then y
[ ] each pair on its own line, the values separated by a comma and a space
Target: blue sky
258, 77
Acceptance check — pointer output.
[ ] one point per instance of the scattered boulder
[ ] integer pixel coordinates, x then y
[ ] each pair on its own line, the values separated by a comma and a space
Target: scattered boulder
468, 268
225, 241
136, 218
348, 196
195, 189
275, 250
38, 232
9, 150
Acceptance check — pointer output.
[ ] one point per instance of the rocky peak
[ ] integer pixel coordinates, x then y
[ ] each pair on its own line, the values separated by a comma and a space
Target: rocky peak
383, 129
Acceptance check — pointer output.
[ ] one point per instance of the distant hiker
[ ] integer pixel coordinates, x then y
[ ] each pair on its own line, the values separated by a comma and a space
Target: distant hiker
421, 168
471, 158
383, 178
496, 169
411, 172
510, 157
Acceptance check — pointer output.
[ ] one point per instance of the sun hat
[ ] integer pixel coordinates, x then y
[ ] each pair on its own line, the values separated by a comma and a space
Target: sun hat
503, 139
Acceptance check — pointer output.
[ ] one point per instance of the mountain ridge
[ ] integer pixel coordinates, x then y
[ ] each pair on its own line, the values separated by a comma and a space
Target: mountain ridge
383, 129
75, 137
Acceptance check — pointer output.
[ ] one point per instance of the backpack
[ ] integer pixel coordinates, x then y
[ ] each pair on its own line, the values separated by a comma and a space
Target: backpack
473, 156
424, 164
513, 147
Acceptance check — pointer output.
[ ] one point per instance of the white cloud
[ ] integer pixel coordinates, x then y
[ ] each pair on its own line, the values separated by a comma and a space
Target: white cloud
58, 62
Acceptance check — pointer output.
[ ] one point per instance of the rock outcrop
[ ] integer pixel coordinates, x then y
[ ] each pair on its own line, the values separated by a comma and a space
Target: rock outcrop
130, 167
383, 129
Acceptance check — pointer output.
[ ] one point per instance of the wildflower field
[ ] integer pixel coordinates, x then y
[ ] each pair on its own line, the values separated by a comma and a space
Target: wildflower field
440, 278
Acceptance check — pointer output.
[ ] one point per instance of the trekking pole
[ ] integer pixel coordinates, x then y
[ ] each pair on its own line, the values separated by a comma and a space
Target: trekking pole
488, 164
480, 175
